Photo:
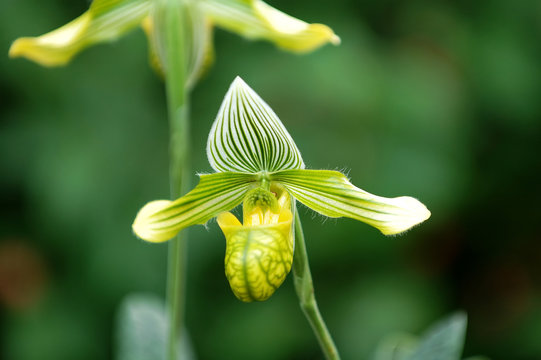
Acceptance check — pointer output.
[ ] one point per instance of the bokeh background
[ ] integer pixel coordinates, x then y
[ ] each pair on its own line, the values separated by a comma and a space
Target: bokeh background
440, 100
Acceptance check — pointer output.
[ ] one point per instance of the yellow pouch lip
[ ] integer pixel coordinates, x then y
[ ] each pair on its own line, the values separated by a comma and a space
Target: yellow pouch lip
229, 222
258, 257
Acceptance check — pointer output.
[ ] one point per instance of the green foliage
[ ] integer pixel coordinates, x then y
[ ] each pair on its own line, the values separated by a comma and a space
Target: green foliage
141, 330
442, 341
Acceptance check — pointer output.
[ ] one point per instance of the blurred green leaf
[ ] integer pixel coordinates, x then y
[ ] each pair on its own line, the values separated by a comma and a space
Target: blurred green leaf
396, 347
444, 341
142, 330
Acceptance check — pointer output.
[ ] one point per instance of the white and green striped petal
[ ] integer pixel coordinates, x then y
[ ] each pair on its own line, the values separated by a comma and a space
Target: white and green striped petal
106, 20
330, 193
254, 19
248, 137
161, 220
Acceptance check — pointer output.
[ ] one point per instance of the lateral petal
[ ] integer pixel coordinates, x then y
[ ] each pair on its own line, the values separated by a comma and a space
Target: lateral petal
331, 194
254, 19
106, 20
161, 220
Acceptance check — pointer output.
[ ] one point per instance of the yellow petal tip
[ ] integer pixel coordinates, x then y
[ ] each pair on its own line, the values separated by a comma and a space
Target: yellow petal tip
144, 221
335, 40
311, 38
413, 212
15, 49
26, 47
30, 48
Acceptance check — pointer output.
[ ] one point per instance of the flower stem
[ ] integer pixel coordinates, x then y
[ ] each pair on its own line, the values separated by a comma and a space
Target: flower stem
179, 167
305, 291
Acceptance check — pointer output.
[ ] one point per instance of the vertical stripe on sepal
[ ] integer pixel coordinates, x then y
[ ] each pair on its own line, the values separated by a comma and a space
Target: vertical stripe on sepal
248, 137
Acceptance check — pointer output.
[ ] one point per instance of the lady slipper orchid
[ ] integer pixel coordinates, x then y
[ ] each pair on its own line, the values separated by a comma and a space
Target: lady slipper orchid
257, 163
107, 20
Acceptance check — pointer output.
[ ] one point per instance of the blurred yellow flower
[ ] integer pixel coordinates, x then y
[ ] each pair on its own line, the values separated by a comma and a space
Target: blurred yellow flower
107, 20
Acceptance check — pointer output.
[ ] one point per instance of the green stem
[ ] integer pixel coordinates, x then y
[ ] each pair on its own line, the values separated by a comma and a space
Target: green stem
305, 291
169, 12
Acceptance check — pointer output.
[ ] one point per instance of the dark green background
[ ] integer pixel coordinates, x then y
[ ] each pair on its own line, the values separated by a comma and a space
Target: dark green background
439, 100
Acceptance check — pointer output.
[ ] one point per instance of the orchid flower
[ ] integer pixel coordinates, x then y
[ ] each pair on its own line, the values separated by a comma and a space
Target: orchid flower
107, 20
258, 163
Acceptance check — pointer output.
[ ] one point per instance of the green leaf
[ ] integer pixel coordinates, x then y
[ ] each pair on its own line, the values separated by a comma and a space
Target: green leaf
444, 341
396, 347
106, 20
141, 328
161, 220
248, 137
141, 332
254, 19
331, 194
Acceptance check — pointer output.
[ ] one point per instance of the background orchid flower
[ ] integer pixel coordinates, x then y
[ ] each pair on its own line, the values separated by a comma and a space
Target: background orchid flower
257, 161
107, 20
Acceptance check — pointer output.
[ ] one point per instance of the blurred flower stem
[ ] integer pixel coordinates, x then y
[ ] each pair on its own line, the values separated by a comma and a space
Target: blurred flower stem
305, 291
170, 12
